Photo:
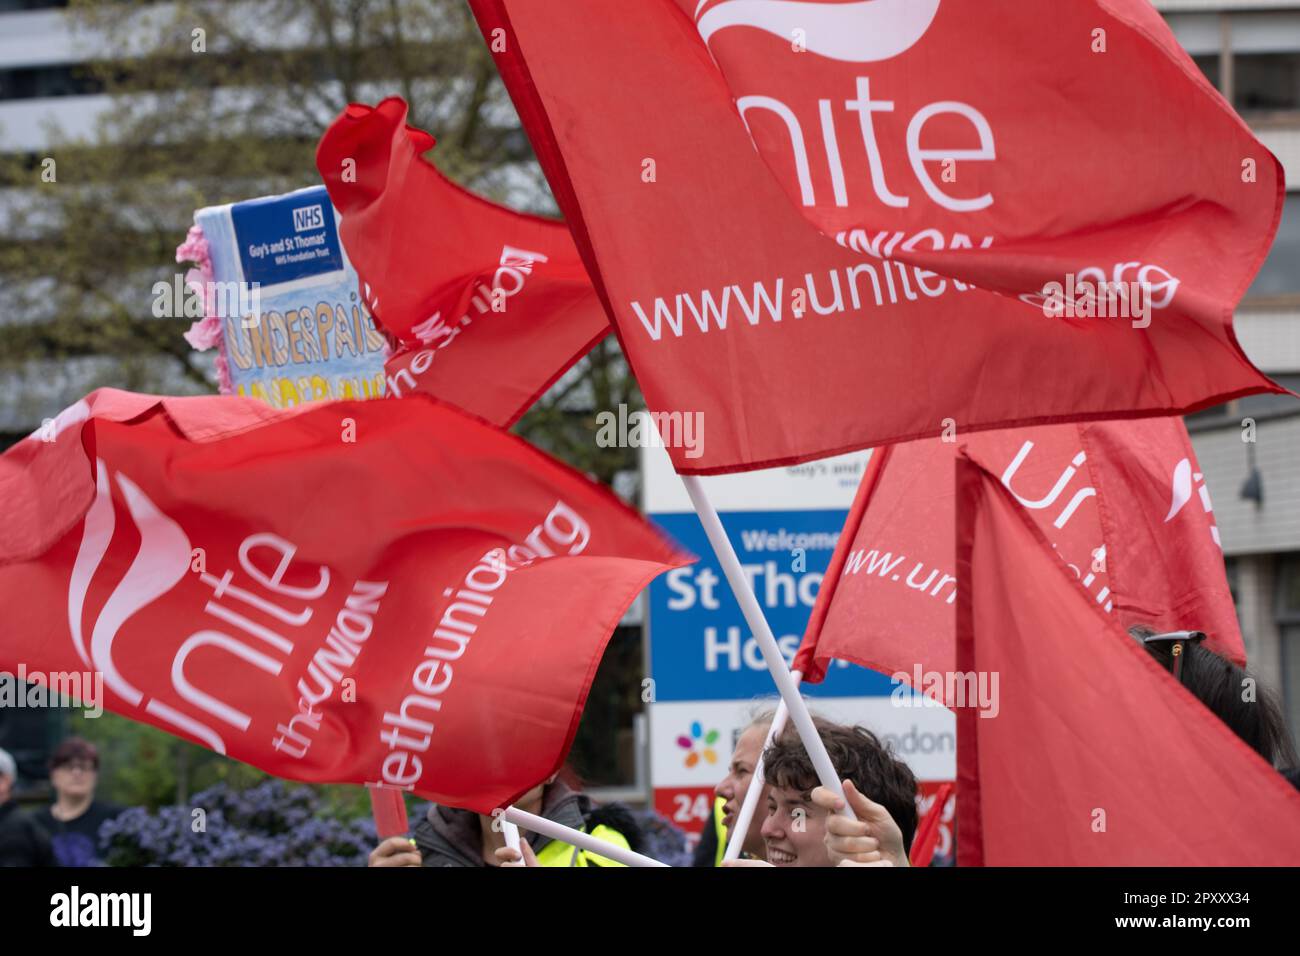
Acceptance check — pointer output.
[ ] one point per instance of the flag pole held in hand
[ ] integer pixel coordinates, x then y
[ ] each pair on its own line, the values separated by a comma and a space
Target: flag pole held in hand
511, 833
585, 841
736, 839
757, 622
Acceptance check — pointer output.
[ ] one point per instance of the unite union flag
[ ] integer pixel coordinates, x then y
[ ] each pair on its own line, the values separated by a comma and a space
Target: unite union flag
838, 224
344, 592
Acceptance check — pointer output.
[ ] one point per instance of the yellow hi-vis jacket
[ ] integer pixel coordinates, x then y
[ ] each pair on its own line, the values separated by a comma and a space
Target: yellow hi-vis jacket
720, 830
556, 853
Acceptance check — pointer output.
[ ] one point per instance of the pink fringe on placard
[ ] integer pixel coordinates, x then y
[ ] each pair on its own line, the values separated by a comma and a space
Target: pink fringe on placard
207, 332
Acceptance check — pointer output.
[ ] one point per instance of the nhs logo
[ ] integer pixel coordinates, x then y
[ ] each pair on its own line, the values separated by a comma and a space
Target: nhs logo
271, 253
308, 218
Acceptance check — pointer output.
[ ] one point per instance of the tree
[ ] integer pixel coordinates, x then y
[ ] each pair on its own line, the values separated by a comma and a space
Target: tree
218, 101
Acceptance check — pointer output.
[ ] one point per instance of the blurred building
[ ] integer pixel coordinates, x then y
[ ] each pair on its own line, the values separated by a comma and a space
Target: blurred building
1250, 50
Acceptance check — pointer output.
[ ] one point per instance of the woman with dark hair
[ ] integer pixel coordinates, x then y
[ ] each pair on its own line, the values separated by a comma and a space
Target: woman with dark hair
1249, 709
451, 837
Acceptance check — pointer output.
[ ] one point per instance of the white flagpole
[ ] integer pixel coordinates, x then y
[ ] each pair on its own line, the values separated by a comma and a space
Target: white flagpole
558, 831
757, 622
736, 838
511, 833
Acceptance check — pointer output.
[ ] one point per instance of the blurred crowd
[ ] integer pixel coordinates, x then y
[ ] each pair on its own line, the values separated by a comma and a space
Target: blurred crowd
67, 832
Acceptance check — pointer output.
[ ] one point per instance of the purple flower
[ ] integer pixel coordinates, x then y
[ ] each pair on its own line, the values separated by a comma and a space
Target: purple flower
266, 825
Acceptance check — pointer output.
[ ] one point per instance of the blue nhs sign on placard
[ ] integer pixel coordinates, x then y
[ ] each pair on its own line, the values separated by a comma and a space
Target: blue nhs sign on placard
283, 239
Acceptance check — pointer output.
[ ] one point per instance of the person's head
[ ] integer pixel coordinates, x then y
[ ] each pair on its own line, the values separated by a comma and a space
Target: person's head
8, 775
530, 802
795, 828
1250, 710
732, 789
74, 769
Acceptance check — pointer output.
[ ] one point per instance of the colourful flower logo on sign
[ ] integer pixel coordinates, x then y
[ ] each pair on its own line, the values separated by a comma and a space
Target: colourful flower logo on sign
699, 744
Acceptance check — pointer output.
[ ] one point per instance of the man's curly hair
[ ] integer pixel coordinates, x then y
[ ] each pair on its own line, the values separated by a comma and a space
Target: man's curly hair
858, 755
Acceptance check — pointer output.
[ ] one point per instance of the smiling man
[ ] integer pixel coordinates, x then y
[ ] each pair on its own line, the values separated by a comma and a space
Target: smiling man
794, 831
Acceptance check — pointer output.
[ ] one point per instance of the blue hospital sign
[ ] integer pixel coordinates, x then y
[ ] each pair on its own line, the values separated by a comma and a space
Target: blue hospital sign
708, 673
700, 646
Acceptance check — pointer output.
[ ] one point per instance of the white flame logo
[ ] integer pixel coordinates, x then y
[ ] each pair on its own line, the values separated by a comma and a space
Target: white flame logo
863, 32
161, 562
1182, 493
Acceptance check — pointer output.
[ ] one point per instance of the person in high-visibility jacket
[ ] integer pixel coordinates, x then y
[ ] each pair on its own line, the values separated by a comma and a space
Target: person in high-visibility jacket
451, 837
713, 839
556, 853
729, 794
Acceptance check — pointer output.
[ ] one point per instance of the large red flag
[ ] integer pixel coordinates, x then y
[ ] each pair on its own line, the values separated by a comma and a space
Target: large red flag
1096, 756
490, 305
1123, 503
342, 592
828, 225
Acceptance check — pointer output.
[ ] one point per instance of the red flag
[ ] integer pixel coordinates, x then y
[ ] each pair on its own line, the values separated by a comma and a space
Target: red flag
1096, 755
830, 225
1123, 503
499, 298
926, 838
352, 592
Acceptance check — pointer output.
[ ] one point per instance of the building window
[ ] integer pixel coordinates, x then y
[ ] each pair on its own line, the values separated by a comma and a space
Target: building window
604, 752
48, 81
1266, 82
15, 6
1209, 64
1232, 571
1280, 273
1252, 58
1288, 619
1248, 406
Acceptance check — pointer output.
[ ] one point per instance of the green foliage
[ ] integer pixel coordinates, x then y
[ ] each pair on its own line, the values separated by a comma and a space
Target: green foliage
142, 766
95, 224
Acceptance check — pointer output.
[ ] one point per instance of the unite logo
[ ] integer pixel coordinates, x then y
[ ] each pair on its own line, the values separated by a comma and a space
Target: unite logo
832, 96
256, 620
1091, 567
1182, 484
160, 563
863, 31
